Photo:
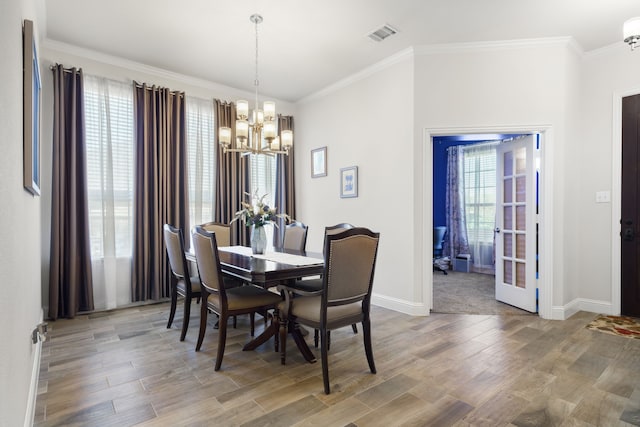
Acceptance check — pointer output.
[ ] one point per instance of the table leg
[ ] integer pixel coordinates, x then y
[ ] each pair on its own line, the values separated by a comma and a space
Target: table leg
270, 331
296, 333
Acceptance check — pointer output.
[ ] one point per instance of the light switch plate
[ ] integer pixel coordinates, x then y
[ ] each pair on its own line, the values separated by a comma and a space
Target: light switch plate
603, 196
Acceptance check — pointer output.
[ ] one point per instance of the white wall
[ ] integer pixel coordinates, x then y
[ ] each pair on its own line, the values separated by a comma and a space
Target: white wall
609, 71
369, 124
20, 301
533, 85
500, 85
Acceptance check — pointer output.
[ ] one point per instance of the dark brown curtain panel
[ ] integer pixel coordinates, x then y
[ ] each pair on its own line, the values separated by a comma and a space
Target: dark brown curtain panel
285, 183
160, 188
232, 176
70, 283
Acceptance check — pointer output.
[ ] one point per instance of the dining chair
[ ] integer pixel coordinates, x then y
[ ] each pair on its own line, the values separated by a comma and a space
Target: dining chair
181, 282
223, 237
345, 298
295, 236
223, 301
314, 285
223, 232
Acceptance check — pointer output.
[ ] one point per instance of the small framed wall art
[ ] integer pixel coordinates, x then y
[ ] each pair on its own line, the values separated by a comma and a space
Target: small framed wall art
319, 162
31, 113
349, 182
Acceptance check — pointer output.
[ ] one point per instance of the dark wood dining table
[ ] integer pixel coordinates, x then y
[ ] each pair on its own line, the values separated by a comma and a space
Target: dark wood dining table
265, 272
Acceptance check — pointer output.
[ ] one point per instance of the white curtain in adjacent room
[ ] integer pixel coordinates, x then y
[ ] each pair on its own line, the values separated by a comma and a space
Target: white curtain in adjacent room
109, 136
201, 151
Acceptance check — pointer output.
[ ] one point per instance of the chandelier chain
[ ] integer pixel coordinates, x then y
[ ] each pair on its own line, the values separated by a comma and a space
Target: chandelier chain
256, 81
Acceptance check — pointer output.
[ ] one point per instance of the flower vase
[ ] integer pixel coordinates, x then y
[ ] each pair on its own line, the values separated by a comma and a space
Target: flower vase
258, 239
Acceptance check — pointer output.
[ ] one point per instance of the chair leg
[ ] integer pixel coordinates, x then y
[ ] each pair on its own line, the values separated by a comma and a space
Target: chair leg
235, 322
185, 318
203, 322
324, 352
355, 328
275, 320
252, 320
315, 338
366, 331
222, 340
172, 310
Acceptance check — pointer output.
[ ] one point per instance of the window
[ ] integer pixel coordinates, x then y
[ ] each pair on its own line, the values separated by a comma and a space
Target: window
201, 152
109, 139
479, 165
263, 177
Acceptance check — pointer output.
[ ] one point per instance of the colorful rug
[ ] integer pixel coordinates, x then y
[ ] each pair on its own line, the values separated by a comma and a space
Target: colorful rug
617, 325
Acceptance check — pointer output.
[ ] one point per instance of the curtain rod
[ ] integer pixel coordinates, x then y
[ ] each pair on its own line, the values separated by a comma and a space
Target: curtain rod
66, 70
147, 87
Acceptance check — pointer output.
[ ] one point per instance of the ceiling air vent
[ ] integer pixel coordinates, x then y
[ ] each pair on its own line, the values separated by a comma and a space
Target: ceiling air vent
382, 33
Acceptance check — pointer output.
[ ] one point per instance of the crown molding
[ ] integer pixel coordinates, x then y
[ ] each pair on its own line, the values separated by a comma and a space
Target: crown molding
116, 61
396, 58
615, 48
499, 45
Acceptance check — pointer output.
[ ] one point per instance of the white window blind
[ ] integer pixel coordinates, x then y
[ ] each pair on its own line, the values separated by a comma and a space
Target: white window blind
263, 177
109, 139
201, 151
480, 192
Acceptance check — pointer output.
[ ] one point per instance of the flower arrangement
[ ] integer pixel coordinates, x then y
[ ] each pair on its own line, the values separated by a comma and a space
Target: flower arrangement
257, 213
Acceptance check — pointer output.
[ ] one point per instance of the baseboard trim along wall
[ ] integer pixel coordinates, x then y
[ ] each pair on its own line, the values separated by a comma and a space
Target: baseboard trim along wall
582, 304
403, 306
33, 387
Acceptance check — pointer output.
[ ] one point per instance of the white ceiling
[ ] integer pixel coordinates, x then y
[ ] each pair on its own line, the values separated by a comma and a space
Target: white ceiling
306, 45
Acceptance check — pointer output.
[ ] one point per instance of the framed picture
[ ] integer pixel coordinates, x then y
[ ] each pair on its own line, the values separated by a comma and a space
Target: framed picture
319, 162
31, 113
349, 182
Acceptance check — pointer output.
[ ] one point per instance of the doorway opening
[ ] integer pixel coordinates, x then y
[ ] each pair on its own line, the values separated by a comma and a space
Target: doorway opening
485, 208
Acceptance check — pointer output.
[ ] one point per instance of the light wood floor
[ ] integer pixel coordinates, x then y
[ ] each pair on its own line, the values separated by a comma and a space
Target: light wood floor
125, 368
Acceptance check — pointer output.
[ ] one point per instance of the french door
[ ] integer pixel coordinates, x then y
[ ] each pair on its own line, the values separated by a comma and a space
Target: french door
515, 233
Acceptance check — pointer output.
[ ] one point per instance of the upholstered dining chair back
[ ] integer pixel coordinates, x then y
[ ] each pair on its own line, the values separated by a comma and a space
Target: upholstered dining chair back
334, 229
222, 231
207, 259
350, 260
295, 236
174, 242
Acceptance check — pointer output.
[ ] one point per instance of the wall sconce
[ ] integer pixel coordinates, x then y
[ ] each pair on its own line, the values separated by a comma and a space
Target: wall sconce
631, 32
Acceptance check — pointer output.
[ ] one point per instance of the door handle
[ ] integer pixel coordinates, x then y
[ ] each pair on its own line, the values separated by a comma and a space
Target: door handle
497, 230
628, 234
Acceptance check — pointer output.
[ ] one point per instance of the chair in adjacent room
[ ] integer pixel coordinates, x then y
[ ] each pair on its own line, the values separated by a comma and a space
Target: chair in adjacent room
295, 236
181, 282
223, 301
345, 297
439, 234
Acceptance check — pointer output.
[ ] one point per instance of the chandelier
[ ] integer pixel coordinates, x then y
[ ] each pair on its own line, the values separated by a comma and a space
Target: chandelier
631, 32
253, 131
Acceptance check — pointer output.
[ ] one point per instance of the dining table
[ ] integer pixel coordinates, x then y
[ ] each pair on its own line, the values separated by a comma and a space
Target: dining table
275, 267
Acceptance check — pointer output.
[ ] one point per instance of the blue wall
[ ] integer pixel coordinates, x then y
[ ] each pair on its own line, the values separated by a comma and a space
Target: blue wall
440, 145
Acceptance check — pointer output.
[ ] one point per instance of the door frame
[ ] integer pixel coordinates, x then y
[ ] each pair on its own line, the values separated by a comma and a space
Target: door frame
545, 217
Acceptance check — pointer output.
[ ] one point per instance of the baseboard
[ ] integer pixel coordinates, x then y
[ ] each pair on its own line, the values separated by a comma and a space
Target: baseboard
33, 387
581, 304
402, 306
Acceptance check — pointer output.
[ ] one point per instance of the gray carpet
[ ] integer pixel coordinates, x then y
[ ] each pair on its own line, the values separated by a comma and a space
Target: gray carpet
468, 293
